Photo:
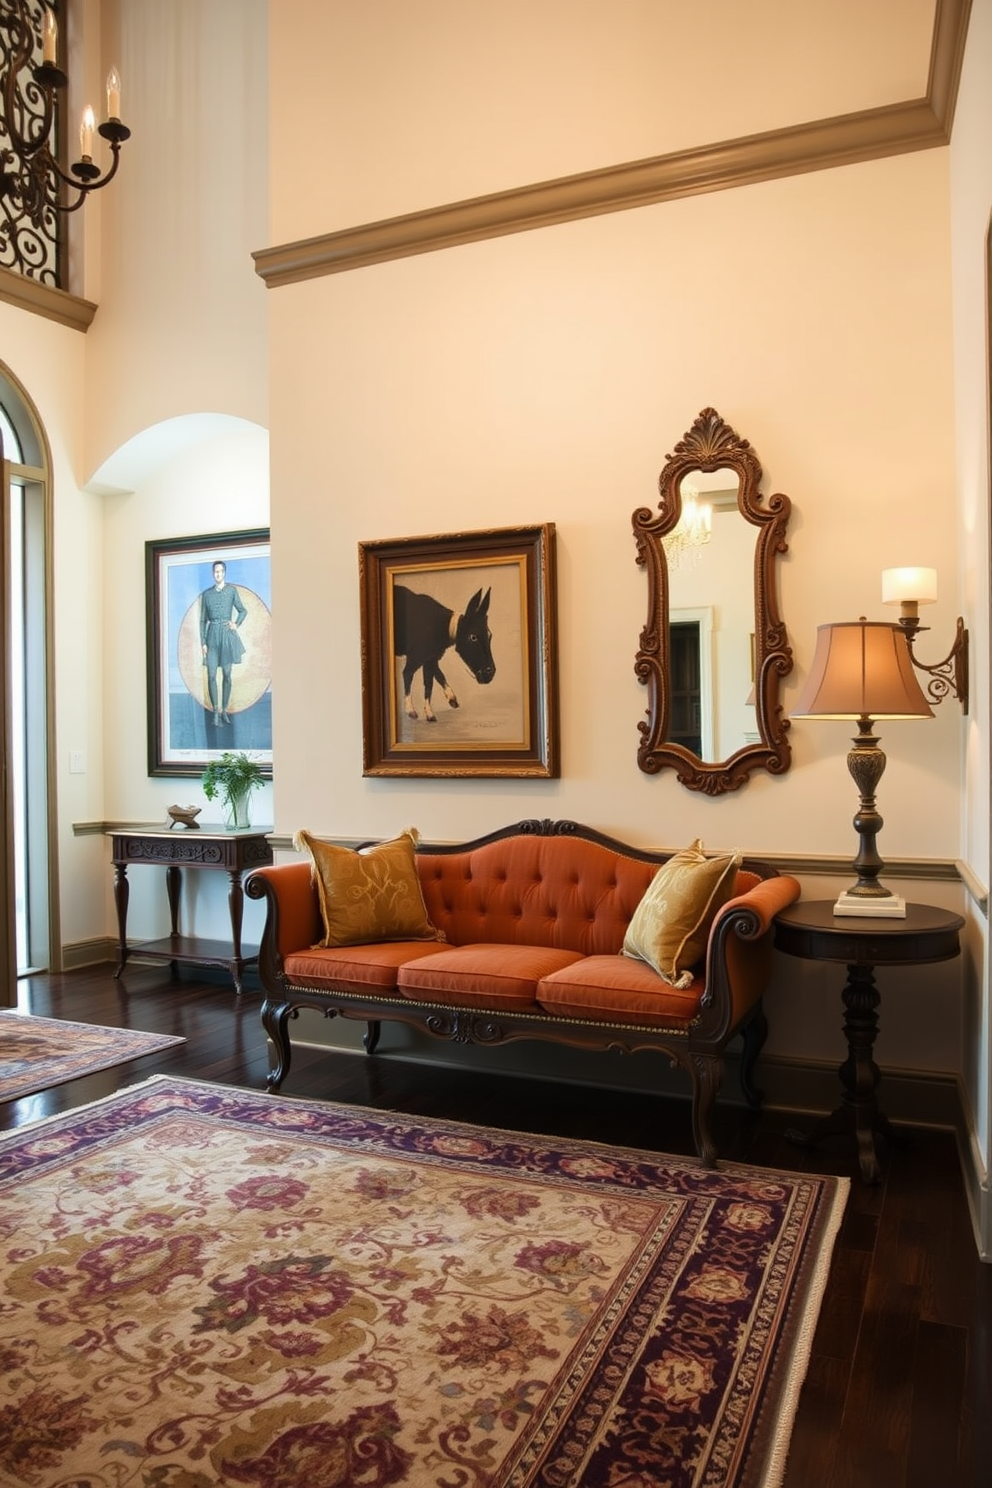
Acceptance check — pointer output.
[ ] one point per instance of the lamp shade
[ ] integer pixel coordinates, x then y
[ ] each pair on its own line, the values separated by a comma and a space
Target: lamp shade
861, 668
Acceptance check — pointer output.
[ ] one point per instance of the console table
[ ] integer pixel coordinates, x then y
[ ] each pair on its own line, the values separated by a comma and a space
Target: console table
175, 849
811, 929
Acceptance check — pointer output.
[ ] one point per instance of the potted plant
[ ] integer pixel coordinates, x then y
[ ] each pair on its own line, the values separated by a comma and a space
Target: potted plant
233, 777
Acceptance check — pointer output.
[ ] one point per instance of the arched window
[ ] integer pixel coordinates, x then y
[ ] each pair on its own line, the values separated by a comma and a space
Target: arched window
28, 880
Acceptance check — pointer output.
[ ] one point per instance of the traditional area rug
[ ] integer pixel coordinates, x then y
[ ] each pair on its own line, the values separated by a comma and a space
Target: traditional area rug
204, 1286
37, 1053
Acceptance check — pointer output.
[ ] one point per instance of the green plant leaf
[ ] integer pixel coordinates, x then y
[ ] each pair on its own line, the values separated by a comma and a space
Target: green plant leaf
235, 773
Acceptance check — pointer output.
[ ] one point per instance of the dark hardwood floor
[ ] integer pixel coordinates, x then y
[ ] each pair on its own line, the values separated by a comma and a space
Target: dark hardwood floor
899, 1389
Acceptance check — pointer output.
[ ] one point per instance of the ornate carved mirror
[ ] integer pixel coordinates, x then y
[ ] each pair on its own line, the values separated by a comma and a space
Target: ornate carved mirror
714, 648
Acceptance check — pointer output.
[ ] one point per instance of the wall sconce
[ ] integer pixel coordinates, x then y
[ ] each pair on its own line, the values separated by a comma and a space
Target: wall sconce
909, 588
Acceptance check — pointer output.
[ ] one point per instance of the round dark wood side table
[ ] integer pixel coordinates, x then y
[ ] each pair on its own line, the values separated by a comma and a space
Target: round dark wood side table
810, 929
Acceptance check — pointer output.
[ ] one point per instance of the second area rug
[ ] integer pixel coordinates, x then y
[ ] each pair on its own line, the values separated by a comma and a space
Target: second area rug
37, 1053
209, 1286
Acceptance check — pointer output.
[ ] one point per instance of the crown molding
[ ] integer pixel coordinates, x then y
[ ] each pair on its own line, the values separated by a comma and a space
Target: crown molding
848, 139
41, 299
950, 33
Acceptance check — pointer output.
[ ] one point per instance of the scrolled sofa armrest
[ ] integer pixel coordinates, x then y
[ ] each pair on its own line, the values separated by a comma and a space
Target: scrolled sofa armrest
292, 921
765, 900
740, 950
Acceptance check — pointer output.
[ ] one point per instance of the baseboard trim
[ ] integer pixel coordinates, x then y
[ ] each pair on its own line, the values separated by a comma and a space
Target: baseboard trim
82, 953
976, 1176
86, 953
912, 1097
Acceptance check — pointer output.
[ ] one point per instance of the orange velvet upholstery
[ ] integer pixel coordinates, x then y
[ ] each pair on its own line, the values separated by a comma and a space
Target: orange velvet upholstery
296, 919
358, 968
609, 987
486, 975
564, 892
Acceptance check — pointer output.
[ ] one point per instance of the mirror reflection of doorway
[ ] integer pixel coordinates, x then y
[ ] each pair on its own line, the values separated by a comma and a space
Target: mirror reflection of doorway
685, 726
692, 716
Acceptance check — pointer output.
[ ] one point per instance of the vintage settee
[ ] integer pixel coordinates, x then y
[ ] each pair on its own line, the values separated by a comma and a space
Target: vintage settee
534, 918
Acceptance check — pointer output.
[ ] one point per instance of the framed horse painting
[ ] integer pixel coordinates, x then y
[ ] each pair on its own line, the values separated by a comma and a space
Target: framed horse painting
459, 654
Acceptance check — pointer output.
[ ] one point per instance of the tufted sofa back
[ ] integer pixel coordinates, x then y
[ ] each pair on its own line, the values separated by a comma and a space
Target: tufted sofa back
566, 892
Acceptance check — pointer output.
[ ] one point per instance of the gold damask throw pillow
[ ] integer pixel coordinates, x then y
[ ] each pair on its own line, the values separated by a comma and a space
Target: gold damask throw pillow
671, 925
369, 895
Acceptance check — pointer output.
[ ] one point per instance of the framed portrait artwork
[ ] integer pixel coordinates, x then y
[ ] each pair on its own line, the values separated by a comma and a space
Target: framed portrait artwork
459, 654
209, 637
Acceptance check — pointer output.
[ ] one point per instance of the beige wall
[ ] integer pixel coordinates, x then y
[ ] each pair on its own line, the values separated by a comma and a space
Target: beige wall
390, 108
544, 377
181, 324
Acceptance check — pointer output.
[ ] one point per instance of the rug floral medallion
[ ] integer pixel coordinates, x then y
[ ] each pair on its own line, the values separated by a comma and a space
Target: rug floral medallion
205, 1286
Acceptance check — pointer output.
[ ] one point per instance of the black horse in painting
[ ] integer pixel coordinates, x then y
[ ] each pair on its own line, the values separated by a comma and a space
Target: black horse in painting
423, 629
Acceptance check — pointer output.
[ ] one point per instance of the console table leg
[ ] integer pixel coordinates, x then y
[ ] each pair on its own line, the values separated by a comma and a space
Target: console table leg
859, 1077
121, 892
236, 900
859, 1072
173, 887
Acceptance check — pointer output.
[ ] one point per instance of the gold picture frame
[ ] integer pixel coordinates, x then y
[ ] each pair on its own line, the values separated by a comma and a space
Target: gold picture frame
485, 603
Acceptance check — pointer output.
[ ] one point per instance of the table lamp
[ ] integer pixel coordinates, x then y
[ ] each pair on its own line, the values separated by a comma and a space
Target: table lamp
862, 670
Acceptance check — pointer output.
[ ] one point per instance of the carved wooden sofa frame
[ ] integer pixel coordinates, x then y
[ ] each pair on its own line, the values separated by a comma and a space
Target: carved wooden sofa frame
514, 896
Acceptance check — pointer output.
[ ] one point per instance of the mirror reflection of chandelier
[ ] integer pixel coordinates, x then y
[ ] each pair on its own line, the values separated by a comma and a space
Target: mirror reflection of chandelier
684, 544
34, 186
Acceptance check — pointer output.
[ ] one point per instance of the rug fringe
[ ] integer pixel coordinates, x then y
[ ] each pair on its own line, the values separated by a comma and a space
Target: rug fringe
795, 1364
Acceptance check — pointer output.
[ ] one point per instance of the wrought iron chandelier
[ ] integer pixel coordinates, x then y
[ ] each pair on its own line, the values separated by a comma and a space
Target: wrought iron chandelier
34, 186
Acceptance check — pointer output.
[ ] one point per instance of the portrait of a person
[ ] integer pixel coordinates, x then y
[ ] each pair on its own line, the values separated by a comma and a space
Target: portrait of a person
222, 612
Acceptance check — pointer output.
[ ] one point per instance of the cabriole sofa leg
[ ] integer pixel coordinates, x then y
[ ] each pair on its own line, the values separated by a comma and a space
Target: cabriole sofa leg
707, 1076
275, 1017
370, 1038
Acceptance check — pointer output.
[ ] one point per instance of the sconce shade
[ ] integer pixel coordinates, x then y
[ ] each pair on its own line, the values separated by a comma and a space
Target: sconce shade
861, 668
902, 585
